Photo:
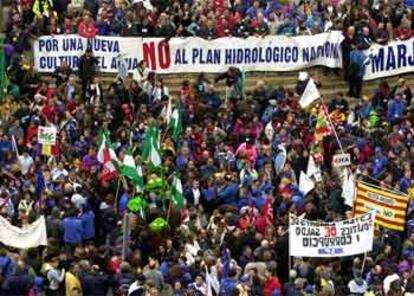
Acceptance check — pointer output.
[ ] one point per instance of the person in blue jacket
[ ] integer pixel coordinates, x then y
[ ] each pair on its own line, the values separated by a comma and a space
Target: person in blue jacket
380, 162
356, 72
88, 223
228, 284
72, 230
396, 109
227, 194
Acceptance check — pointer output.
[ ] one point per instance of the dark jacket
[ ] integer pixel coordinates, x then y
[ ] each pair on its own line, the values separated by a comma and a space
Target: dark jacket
95, 283
189, 196
54, 226
17, 284
87, 67
108, 219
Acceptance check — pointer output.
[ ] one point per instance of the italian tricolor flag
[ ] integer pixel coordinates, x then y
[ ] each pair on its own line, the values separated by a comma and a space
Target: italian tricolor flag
106, 155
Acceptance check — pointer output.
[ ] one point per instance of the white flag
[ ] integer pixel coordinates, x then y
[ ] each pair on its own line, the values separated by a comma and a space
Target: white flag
313, 169
212, 282
269, 131
167, 112
306, 184
30, 236
310, 94
348, 189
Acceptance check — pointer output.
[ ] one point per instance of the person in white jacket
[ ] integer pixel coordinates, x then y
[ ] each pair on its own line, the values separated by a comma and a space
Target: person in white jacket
141, 73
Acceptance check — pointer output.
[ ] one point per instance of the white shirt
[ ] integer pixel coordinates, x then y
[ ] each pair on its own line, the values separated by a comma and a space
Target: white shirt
388, 280
140, 76
78, 200
134, 287
196, 193
58, 173
355, 288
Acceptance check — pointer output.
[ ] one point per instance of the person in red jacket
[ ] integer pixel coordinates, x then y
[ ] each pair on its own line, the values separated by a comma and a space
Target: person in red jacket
271, 284
87, 27
49, 111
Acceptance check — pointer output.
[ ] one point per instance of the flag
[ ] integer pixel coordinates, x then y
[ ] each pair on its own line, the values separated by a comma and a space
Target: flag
46, 150
306, 184
269, 131
212, 282
225, 260
158, 224
168, 111
348, 189
177, 192
132, 171
106, 155
104, 143
310, 94
390, 207
109, 170
313, 169
14, 144
243, 80
40, 183
138, 203
151, 151
122, 67
322, 128
175, 123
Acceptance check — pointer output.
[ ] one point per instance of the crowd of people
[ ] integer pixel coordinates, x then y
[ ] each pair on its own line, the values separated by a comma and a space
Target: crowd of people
373, 21
231, 235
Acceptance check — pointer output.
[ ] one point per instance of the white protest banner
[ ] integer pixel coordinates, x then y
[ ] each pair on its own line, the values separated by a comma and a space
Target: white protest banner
331, 239
31, 236
310, 94
397, 57
341, 160
189, 55
46, 135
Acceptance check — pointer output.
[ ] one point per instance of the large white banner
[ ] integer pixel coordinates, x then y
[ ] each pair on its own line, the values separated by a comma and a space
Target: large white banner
188, 55
31, 236
320, 239
397, 57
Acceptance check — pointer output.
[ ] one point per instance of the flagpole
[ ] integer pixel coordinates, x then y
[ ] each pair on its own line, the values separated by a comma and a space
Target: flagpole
169, 212
289, 258
332, 125
363, 263
165, 134
117, 193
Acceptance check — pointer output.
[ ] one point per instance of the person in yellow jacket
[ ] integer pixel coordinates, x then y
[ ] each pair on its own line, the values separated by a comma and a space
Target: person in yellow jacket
72, 283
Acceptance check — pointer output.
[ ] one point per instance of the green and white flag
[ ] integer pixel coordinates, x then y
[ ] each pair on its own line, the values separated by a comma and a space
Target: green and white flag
151, 152
132, 171
175, 123
177, 192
